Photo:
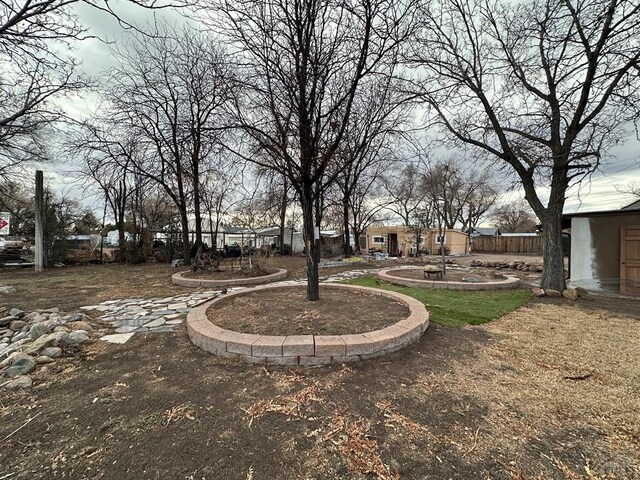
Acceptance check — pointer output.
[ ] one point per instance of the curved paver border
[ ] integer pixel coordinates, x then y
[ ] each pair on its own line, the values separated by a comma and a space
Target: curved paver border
509, 282
308, 349
180, 279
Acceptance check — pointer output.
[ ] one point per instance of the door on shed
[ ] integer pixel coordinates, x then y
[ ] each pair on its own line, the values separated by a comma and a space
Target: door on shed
630, 259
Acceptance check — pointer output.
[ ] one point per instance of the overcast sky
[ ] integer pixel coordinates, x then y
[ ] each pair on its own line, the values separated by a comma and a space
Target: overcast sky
599, 193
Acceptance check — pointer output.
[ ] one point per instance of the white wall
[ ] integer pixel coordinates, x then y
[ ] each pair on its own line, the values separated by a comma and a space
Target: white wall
582, 252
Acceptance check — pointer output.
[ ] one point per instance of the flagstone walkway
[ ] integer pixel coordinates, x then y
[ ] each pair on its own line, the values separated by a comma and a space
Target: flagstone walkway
162, 314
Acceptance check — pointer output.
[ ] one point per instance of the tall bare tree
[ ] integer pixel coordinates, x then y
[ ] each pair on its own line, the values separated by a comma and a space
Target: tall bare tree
37, 68
302, 63
368, 150
460, 194
544, 86
406, 190
170, 90
109, 155
514, 217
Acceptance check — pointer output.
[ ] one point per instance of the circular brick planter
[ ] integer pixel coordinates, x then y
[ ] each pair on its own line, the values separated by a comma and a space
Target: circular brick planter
509, 282
308, 349
180, 279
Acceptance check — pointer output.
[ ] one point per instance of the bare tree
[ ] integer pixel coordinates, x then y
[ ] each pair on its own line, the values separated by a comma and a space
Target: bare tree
37, 69
461, 195
544, 86
109, 155
219, 186
514, 217
302, 63
366, 206
368, 149
170, 90
406, 190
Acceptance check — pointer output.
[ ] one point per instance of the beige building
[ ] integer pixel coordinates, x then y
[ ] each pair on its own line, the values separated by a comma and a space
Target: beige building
401, 240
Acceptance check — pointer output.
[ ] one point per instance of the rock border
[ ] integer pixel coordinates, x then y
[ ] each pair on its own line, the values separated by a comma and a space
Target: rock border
509, 283
179, 279
308, 349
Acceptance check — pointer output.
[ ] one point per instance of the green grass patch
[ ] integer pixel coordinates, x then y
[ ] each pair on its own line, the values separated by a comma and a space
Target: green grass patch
455, 308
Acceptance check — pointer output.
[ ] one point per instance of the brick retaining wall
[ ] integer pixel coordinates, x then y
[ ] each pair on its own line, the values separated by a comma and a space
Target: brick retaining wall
308, 349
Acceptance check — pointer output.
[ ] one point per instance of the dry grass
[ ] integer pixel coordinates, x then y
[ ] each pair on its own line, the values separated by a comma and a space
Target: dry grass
552, 369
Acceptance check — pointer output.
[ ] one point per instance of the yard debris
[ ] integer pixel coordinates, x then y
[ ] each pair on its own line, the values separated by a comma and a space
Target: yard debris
578, 377
360, 451
291, 405
393, 419
178, 413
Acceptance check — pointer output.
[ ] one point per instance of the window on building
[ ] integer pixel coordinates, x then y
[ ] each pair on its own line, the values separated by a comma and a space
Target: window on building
377, 239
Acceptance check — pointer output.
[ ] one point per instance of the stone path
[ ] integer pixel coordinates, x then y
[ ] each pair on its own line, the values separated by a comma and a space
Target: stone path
161, 315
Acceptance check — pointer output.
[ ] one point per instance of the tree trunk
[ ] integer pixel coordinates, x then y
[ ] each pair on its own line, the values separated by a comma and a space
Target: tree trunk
312, 251
196, 207
283, 212
345, 226
552, 255
186, 249
356, 240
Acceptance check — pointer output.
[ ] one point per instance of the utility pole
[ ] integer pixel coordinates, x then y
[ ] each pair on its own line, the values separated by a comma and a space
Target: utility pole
39, 221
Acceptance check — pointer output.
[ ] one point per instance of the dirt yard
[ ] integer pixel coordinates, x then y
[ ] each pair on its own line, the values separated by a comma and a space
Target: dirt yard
286, 312
550, 391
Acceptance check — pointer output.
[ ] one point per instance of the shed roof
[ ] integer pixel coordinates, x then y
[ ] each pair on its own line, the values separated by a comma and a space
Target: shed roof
486, 231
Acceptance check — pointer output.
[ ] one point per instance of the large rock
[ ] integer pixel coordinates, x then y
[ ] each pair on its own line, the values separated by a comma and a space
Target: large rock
77, 337
583, 294
22, 366
7, 362
16, 312
553, 293
51, 352
538, 292
80, 325
6, 289
5, 321
21, 336
570, 293
17, 325
21, 381
37, 330
43, 342
14, 346
43, 359
79, 317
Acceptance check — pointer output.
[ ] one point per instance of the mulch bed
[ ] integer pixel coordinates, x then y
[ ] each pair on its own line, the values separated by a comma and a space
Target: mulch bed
226, 273
449, 276
285, 311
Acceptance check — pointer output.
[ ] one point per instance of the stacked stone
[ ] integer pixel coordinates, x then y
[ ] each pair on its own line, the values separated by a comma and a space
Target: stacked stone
31, 339
512, 265
568, 293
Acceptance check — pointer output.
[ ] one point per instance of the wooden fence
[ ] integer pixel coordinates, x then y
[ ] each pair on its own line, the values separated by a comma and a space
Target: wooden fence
530, 245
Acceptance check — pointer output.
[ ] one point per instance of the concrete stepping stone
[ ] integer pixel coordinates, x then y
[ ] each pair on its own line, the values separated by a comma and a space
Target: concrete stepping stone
117, 337
158, 322
125, 329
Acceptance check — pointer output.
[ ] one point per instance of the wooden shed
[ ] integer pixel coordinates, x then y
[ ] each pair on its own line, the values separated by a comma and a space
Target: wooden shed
605, 250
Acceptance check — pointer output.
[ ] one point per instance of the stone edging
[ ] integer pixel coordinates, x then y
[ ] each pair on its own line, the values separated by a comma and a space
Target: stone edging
180, 279
308, 349
509, 282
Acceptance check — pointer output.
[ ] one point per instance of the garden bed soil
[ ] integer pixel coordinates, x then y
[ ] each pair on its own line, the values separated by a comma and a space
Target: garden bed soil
449, 276
285, 311
228, 273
